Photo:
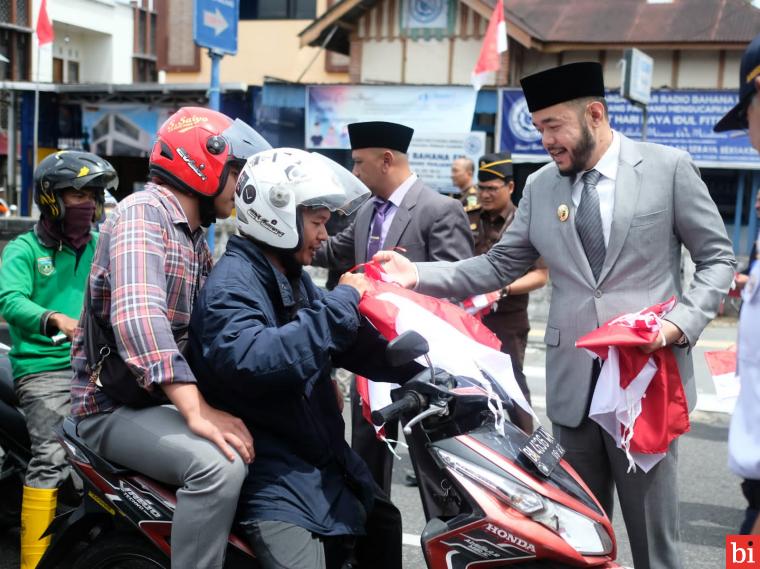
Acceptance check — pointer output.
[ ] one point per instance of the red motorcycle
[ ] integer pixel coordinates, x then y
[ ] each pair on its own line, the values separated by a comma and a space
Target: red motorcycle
493, 496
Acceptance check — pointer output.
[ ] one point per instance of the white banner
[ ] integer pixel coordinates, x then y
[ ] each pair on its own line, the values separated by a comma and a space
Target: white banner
431, 155
429, 110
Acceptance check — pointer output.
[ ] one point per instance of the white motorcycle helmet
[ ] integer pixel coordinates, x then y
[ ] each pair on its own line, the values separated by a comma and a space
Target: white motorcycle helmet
276, 182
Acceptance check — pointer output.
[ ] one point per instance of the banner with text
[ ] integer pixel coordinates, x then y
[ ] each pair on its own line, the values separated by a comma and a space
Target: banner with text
683, 119
431, 155
429, 110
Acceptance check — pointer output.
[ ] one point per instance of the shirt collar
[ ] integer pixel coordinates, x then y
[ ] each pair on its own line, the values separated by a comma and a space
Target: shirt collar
608, 163
400, 193
170, 203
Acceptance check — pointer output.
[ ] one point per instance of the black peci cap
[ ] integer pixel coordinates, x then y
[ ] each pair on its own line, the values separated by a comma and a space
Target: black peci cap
496, 166
736, 118
380, 134
562, 84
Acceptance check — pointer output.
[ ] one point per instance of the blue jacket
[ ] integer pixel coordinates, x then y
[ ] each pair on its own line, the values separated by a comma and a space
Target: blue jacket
264, 353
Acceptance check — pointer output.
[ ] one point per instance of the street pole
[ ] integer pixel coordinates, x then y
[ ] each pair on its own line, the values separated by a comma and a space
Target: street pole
214, 104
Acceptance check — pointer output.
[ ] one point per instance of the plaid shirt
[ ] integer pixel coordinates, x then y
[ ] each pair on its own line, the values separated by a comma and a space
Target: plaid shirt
146, 273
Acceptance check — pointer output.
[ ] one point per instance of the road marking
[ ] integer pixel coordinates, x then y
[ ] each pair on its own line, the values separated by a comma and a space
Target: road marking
707, 402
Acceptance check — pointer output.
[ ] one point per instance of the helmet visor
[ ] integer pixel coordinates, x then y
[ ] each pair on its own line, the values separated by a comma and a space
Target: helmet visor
352, 194
244, 141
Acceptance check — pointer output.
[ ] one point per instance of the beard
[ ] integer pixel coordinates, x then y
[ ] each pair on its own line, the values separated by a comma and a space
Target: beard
581, 153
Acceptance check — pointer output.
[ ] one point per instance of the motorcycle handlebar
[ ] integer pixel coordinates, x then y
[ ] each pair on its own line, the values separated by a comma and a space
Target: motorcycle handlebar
411, 402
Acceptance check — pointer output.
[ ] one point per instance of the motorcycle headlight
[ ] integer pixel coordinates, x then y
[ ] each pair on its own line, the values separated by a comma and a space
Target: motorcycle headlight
585, 535
506, 488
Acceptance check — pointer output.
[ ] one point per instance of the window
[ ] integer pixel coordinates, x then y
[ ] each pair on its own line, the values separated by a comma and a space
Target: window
73, 72
144, 68
278, 9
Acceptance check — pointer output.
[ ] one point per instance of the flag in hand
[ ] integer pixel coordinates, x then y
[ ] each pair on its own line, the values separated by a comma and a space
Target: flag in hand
639, 398
45, 33
494, 44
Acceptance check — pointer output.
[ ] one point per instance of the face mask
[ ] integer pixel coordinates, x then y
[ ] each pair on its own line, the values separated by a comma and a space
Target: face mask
76, 224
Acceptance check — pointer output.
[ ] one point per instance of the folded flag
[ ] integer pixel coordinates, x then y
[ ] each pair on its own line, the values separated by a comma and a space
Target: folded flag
459, 343
639, 398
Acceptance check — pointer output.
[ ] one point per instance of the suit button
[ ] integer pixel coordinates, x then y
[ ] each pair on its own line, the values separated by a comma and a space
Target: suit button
598, 293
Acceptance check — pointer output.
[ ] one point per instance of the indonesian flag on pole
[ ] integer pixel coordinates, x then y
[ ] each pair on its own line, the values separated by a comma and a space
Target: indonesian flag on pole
459, 343
45, 33
494, 44
639, 398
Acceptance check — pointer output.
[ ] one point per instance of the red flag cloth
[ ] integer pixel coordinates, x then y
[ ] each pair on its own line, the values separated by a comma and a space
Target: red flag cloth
480, 304
44, 27
494, 44
459, 343
639, 398
383, 314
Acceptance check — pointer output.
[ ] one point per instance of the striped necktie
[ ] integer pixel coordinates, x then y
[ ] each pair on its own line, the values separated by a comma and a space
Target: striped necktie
375, 242
588, 223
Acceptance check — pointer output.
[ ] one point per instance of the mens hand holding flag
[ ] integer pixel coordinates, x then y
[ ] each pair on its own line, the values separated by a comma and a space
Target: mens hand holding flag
459, 343
45, 32
639, 398
494, 44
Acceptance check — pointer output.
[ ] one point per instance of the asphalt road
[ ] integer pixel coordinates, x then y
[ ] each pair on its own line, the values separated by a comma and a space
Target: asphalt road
711, 505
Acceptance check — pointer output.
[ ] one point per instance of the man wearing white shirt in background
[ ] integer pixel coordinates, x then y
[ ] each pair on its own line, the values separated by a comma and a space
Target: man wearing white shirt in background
744, 435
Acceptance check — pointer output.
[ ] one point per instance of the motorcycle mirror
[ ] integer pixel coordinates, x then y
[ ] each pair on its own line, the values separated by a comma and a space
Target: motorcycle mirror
405, 348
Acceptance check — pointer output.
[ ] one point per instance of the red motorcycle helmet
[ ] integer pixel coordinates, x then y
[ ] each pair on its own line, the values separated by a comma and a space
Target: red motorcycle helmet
195, 147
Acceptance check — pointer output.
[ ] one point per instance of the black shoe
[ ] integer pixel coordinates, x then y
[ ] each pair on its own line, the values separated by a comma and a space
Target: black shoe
410, 479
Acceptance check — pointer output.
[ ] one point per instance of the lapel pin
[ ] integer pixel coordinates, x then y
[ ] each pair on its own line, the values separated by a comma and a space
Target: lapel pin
563, 212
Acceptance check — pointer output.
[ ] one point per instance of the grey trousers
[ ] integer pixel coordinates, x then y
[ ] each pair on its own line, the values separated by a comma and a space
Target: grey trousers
649, 501
157, 442
45, 399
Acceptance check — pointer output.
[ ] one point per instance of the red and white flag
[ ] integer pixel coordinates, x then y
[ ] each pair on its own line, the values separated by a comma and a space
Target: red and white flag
45, 32
481, 304
639, 398
494, 44
459, 343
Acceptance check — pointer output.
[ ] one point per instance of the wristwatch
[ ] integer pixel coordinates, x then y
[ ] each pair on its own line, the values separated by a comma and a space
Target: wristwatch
504, 293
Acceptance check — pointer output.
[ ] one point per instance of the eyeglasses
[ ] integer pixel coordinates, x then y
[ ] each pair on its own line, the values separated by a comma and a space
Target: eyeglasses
482, 188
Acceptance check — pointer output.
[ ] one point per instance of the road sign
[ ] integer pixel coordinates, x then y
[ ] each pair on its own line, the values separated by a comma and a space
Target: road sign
215, 25
637, 76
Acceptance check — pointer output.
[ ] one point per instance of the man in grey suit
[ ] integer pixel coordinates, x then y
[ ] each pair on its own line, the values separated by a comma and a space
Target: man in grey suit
608, 216
405, 215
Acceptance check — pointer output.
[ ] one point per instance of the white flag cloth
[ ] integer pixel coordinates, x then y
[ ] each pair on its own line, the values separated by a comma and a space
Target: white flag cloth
494, 44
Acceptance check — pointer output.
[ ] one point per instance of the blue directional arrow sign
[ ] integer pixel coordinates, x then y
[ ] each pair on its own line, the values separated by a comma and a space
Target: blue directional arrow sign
215, 25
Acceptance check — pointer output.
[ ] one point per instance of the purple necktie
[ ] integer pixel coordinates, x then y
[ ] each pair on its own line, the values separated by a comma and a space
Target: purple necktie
376, 235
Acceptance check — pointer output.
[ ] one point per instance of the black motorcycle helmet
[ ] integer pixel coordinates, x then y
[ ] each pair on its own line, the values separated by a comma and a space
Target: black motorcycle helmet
67, 169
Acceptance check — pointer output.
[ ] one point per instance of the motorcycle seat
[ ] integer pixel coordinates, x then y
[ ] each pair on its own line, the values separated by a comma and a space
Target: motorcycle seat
68, 430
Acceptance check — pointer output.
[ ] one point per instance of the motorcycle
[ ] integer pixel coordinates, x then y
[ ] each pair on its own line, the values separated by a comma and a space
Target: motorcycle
16, 447
492, 495
14, 442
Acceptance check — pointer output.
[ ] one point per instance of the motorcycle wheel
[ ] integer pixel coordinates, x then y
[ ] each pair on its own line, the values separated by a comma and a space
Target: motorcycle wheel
121, 551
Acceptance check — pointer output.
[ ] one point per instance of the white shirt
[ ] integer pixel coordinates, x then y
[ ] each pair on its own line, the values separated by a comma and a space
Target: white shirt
744, 434
608, 168
396, 198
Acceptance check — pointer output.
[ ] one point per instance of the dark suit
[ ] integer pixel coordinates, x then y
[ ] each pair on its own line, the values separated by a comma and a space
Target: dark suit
427, 226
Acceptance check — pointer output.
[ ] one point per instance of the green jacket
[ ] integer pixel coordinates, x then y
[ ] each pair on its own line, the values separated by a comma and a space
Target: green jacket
37, 280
